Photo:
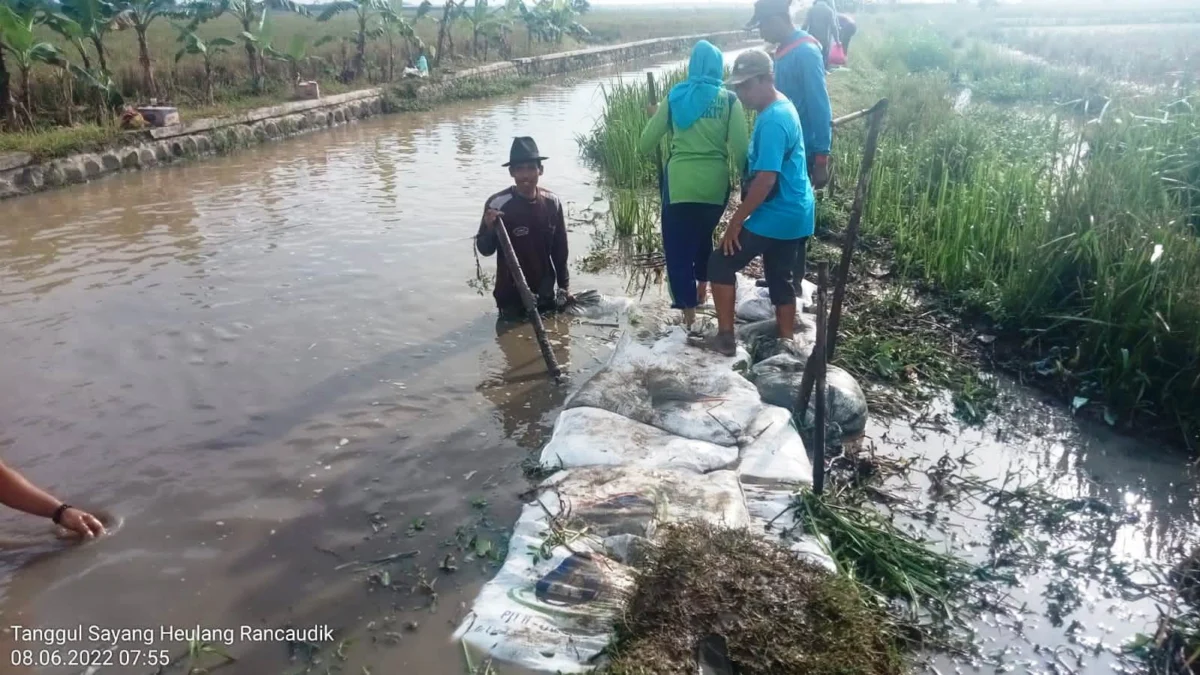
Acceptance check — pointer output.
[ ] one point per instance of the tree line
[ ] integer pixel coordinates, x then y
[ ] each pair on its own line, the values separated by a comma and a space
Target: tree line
71, 39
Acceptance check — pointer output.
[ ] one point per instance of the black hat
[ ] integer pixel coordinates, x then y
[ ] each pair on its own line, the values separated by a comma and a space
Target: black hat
765, 9
524, 149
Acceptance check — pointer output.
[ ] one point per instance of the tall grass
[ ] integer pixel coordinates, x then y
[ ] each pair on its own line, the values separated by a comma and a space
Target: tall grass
1080, 237
1077, 235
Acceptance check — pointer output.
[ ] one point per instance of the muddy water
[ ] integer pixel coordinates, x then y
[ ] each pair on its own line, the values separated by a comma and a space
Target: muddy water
271, 364
1060, 617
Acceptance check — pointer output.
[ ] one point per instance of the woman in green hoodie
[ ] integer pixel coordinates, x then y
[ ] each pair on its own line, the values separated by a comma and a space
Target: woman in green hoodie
708, 130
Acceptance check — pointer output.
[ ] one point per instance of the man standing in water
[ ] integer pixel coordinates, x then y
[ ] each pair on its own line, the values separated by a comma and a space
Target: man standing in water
777, 212
800, 76
18, 493
534, 219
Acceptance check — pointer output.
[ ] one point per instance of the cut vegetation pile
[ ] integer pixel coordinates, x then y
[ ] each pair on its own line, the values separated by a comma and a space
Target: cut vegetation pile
779, 616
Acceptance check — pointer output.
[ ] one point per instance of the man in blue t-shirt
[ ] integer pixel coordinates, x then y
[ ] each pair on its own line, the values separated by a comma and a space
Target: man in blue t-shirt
776, 213
800, 76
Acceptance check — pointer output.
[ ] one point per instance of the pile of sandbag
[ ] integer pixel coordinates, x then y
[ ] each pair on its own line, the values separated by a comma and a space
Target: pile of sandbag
663, 433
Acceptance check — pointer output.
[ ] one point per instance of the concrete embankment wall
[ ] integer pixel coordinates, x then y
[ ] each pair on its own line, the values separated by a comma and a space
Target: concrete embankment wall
22, 174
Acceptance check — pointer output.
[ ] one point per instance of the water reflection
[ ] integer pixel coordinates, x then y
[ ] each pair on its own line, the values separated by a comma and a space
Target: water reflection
521, 390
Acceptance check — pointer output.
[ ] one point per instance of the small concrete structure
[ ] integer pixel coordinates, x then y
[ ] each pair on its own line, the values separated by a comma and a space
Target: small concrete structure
160, 115
307, 91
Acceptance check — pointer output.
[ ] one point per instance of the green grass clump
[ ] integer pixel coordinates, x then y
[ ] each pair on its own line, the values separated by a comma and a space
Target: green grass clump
779, 615
55, 142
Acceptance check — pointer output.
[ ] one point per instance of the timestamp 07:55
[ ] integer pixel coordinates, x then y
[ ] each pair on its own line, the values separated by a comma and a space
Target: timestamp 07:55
89, 657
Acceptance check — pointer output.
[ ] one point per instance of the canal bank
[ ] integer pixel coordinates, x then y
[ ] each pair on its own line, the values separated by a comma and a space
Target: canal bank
21, 173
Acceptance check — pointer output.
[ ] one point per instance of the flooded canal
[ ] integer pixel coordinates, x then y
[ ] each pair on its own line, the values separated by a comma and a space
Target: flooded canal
271, 365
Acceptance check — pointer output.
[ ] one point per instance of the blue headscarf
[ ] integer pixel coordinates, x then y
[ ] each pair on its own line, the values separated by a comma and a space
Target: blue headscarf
690, 98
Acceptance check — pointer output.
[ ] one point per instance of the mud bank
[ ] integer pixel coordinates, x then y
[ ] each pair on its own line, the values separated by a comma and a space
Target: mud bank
21, 174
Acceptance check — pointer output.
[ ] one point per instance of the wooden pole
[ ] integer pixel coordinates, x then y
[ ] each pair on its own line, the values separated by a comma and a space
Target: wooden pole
819, 351
856, 211
860, 198
535, 318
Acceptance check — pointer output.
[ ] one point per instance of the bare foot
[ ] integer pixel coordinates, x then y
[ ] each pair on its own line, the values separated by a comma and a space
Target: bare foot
721, 343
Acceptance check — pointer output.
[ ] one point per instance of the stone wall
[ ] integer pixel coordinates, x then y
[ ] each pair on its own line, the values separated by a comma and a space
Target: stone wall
21, 174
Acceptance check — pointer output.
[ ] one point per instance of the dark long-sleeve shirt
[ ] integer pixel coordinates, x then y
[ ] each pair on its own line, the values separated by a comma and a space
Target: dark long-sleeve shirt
538, 232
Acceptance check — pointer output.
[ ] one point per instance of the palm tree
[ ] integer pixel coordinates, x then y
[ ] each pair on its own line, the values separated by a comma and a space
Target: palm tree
142, 13
252, 16
18, 40
363, 11
193, 44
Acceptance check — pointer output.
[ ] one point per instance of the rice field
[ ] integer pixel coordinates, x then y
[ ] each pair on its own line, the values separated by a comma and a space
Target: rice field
1068, 225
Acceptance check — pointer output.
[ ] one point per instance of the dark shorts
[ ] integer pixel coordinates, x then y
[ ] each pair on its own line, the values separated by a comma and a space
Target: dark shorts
779, 256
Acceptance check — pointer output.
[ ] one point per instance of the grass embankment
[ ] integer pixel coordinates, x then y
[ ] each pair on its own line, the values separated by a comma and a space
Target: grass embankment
1070, 235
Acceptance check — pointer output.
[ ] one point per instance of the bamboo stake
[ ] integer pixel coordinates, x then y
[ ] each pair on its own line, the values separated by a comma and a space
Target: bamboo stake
860, 198
819, 353
535, 318
856, 210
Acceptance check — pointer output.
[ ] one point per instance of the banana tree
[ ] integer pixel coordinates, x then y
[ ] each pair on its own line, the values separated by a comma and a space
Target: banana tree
295, 55
484, 20
364, 11
451, 12
396, 28
206, 50
141, 14
94, 19
24, 49
251, 15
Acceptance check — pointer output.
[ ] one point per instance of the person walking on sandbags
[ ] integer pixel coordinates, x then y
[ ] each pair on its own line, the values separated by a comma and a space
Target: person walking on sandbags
776, 213
800, 76
708, 129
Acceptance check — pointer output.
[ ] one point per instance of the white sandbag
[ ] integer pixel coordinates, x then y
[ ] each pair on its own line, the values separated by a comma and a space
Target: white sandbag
754, 301
686, 391
773, 451
549, 614
620, 500
591, 437
772, 517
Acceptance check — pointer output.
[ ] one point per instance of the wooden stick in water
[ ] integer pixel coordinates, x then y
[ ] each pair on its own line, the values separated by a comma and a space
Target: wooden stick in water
860, 198
819, 352
514, 267
856, 211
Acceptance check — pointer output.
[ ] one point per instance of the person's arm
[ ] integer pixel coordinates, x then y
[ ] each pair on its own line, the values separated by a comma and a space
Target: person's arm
738, 137
655, 129
770, 146
486, 240
816, 119
558, 248
18, 493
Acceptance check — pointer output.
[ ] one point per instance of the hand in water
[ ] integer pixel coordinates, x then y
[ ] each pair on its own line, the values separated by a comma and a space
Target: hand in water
82, 523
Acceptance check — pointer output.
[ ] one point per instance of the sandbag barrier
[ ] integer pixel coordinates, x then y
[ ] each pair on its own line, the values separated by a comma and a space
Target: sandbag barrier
663, 433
